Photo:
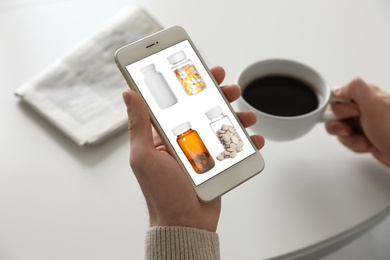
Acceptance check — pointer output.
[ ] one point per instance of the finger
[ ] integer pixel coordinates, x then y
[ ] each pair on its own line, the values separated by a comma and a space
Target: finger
140, 131
247, 118
232, 92
356, 143
345, 110
356, 90
258, 140
158, 143
339, 128
218, 73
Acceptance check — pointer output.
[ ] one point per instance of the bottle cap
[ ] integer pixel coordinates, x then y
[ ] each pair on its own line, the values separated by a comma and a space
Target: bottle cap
214, 112
181, 128
176, 57
146, 69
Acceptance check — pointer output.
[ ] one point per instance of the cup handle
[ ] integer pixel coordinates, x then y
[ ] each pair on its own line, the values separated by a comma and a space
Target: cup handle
329, 115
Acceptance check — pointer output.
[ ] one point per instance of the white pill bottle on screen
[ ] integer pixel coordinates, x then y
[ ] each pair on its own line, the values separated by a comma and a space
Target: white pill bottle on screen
186, 73
158, 87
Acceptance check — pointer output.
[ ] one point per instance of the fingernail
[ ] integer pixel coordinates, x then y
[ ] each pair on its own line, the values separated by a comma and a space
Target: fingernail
126, 98
337, 91
337, 129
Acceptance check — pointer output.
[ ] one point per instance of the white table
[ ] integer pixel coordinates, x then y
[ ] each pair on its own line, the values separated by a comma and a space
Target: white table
58, 201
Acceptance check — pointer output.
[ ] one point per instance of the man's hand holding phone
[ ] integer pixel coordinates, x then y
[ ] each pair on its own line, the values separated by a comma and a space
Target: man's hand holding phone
170, 197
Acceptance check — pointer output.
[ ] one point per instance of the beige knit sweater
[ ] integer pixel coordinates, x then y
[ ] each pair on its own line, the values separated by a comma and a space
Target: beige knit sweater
181, 243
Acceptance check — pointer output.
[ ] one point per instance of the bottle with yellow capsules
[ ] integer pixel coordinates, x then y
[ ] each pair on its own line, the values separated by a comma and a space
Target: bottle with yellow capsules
193, 147
186, 73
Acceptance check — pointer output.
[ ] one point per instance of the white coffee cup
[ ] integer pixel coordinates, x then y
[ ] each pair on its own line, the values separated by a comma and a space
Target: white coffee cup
283, 128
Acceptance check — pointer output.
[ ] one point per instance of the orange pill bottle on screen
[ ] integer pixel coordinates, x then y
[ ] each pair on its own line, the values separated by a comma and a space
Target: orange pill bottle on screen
194, 148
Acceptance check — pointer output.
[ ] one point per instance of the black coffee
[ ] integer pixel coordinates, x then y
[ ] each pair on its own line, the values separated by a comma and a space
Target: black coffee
281, 96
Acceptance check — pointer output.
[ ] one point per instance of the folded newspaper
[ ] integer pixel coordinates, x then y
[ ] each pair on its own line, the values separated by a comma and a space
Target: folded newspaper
81, 93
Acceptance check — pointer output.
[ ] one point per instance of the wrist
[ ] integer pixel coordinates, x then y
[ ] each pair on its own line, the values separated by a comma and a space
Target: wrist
202, 223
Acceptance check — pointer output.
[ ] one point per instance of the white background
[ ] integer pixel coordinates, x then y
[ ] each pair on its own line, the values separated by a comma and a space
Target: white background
189, 108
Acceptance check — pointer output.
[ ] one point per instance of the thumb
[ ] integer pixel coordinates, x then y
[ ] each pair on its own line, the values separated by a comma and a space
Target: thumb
140, 131
356, 90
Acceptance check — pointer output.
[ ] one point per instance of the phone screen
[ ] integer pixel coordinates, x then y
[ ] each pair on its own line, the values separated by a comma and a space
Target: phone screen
191, 111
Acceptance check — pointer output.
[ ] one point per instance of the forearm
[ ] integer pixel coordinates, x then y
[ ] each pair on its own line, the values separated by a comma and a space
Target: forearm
181, 243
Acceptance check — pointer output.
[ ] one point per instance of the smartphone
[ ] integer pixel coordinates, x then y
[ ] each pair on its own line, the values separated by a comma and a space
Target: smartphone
190, 112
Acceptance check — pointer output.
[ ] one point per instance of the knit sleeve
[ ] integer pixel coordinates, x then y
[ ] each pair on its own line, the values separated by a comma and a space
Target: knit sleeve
181, 243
